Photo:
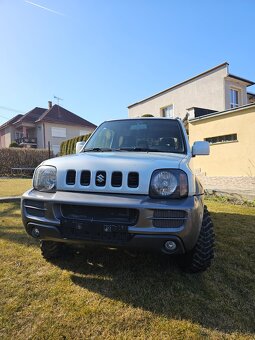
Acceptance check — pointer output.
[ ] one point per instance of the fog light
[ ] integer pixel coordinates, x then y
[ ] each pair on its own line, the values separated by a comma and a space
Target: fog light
170, 245
35, 232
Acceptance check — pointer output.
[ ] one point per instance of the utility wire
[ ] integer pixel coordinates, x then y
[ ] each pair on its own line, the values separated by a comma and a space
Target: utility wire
4, 117
10, 109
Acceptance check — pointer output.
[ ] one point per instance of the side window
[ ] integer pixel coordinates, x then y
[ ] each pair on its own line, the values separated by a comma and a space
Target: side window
234, 98
168, 111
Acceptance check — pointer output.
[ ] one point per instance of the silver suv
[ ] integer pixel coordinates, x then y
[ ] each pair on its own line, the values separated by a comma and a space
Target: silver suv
130, 185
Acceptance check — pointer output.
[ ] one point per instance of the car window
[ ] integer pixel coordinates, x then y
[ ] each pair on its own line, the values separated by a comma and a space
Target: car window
147, 134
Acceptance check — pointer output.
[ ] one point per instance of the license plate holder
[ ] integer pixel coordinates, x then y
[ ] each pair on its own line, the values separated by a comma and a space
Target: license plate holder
94, 230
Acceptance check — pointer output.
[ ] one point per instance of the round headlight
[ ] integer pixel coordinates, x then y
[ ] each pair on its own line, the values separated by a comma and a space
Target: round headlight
163, 183
45, 178
169, 183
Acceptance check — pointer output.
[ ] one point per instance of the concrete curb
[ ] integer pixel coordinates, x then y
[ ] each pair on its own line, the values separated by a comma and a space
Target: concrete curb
242, 195
10, 199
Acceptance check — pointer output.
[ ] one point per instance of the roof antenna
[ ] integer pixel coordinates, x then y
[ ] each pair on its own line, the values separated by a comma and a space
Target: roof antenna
58, 99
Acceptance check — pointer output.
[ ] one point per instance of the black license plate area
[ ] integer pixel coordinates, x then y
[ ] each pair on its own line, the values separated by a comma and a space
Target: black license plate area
94, 231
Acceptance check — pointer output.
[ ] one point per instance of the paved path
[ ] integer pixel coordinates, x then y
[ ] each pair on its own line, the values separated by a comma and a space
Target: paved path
10, 199
242, 186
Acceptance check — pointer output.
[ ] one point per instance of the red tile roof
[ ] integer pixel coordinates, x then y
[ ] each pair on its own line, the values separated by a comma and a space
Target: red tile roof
31, 116
11, 121
57, 114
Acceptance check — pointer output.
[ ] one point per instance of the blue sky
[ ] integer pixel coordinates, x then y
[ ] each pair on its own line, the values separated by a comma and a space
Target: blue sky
102, 55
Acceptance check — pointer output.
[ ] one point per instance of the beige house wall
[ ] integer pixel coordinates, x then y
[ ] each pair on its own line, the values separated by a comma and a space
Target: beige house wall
205, 91
7, 136
71, 131
230, 158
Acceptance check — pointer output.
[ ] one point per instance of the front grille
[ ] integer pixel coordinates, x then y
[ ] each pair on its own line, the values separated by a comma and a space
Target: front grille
70, 177
34, 208
169, 218
133, 179
100, 214
101, 178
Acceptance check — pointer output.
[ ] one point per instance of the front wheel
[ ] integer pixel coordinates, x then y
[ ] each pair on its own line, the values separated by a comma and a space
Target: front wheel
50, 249
200, 257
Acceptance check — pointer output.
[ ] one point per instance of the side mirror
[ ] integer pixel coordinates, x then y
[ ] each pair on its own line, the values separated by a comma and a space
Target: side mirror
200, 148
79, 146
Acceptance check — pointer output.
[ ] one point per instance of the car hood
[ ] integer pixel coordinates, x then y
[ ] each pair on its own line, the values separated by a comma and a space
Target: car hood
141, 163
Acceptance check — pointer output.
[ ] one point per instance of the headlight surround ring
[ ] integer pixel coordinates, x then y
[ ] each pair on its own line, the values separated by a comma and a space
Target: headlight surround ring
45, 178
169, 183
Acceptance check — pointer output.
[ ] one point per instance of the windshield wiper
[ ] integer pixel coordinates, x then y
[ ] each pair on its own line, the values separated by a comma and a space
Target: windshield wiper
137, 149
97, 150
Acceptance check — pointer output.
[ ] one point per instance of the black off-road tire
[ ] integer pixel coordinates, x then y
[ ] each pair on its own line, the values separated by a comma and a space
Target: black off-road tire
200, 258
51, 250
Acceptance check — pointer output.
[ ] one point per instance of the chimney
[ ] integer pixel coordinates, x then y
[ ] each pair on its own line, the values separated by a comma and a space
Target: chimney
49, 104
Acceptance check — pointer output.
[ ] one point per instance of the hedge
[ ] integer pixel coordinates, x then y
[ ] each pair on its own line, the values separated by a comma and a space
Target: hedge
20, 158
68, 147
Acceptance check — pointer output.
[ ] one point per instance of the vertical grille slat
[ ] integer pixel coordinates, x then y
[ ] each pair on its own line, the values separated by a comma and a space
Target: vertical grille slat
85, 178
116, 179
133, 180
70, 177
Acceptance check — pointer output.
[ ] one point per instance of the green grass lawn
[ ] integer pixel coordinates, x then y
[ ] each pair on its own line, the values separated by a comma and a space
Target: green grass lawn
14, 186
109, 294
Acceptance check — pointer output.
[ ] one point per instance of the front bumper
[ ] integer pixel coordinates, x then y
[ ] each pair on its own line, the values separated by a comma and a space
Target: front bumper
113, 220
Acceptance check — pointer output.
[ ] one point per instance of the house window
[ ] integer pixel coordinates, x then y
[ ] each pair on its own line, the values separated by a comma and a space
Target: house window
168, 111
18, 135
234, 98
222, 139
55, 149
58, 132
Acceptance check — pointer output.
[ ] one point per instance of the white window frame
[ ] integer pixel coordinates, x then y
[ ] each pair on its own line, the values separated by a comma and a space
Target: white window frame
170, 108
58, 132
234, 104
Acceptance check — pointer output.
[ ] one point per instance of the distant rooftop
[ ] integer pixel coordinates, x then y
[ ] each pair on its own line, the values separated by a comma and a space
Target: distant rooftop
214, 114
11, 121
58, 114
55, 114
225, 64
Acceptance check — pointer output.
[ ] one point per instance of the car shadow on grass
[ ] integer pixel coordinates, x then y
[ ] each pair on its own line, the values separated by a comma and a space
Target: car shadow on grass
10, 210
11, 228
17, 235
221, 298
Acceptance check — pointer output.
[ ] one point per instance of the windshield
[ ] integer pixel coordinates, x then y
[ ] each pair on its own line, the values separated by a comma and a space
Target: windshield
154, 135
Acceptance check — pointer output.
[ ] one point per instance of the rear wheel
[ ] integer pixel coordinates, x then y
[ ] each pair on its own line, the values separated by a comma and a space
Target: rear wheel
51, 249
200, 257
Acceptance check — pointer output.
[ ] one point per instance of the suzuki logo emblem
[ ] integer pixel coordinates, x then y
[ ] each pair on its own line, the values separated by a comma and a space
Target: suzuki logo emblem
100, 178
